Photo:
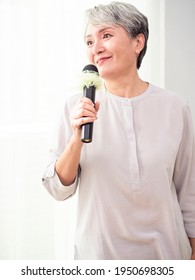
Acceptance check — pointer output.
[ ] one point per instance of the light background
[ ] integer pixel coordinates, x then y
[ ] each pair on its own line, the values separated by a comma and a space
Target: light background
41, 55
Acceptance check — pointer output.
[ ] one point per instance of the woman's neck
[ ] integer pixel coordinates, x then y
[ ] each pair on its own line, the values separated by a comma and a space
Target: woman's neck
126, 87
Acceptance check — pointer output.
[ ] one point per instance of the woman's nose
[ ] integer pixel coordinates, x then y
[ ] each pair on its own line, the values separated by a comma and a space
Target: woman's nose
98, 47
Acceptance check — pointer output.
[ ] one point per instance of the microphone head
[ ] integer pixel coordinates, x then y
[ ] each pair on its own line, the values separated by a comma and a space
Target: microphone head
90, 77
90, 68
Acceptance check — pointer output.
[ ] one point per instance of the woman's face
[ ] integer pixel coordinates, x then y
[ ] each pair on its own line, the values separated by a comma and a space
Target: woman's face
110, 48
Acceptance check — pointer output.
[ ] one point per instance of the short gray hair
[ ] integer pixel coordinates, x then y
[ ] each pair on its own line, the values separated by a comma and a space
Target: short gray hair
122, 14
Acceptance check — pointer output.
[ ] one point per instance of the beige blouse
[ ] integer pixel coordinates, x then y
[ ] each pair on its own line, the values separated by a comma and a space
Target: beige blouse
136, 180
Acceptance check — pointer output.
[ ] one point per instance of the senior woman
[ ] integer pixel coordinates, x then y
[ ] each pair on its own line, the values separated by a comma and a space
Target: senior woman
136, 179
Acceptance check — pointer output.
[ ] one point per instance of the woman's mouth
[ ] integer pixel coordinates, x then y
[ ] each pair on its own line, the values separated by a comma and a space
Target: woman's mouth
103, 59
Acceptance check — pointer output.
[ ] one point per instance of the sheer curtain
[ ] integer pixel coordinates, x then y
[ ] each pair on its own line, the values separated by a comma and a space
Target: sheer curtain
41, 54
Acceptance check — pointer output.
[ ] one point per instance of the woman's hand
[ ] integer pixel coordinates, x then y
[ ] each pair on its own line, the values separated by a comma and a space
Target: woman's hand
83, 112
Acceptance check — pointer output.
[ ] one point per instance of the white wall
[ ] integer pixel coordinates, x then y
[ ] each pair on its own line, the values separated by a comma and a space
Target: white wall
180, 49
41, 54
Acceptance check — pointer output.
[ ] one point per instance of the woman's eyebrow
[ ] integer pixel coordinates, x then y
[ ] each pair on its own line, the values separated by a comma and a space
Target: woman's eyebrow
100, 31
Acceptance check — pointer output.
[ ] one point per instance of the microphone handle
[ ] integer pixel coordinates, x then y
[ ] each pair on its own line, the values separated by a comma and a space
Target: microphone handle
87, 129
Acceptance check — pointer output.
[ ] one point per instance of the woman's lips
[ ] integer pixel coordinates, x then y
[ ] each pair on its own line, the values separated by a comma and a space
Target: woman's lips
101, 60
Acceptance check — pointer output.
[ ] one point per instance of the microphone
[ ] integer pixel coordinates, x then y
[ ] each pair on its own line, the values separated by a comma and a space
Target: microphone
90, 82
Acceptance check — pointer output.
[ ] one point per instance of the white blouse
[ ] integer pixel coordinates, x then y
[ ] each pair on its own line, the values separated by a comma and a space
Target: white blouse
136, 179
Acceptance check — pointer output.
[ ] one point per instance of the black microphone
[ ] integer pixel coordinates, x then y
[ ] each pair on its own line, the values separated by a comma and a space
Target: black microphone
90, 82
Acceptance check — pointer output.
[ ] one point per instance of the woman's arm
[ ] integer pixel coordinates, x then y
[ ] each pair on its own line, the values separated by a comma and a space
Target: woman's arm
67, 165
184, 176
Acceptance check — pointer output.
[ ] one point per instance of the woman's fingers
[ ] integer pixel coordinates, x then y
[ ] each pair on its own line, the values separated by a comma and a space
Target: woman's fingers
83, 112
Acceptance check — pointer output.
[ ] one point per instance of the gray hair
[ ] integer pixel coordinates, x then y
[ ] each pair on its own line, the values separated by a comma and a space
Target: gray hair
122, 14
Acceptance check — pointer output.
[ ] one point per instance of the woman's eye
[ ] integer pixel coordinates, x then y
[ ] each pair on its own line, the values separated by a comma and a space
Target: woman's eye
105, 36
89, 43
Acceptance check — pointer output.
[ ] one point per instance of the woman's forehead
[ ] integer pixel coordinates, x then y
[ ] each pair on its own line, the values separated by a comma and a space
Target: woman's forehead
93, 29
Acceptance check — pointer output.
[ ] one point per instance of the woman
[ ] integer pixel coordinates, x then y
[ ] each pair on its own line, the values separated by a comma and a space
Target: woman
137, 178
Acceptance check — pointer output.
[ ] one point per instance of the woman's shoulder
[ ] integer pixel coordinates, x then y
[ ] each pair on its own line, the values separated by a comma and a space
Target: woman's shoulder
69, 101
72, 98
167, 96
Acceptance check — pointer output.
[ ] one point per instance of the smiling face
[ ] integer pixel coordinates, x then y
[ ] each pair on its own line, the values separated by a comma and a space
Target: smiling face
111, 49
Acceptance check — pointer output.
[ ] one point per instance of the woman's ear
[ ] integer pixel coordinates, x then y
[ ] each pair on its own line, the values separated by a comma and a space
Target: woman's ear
140, 42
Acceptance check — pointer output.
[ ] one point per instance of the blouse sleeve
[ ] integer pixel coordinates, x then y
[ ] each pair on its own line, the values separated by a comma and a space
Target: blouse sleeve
50, 179
184, 174
54, 186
